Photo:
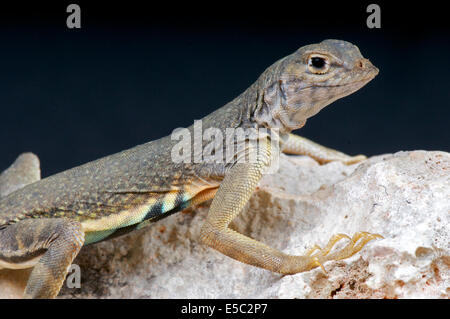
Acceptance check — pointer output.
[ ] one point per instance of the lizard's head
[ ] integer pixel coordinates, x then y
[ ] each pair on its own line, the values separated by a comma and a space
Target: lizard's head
300, 85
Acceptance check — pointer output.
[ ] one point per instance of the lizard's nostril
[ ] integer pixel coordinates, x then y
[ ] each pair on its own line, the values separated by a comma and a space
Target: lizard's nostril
363, 64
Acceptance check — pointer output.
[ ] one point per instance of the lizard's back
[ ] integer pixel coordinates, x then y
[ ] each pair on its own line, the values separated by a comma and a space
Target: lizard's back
120, 190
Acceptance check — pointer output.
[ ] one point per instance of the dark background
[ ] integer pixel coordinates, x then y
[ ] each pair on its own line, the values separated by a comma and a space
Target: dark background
134, 72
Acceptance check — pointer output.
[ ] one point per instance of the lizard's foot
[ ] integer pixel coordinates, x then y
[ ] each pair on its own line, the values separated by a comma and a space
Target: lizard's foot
356, 243
344, 158
354, 159
317, 256
302, 146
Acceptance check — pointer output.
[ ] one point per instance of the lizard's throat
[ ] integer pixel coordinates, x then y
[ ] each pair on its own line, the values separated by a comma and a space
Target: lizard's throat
289, 112
273, 112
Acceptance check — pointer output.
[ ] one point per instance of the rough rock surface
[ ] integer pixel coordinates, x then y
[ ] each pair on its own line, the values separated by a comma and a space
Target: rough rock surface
404, 196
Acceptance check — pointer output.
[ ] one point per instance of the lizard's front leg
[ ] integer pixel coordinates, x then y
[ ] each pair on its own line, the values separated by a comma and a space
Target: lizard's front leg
54, 242
298, 145
234, 192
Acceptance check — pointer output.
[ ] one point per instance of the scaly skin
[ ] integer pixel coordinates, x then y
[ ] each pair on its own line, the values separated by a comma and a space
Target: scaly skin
45, 223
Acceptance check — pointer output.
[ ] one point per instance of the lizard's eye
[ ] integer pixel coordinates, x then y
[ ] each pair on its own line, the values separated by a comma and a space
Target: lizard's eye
318, 64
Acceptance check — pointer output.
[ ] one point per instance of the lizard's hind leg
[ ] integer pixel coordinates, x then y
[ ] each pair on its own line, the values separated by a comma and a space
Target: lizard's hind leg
49, 244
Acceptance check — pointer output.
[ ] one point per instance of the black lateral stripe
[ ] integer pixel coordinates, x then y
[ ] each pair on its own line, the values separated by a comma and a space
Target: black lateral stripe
119, 232
180, 204
179, 201
156, 209
155, 213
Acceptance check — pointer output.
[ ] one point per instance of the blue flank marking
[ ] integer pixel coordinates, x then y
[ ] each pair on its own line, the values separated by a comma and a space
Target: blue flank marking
156, 212
97, 236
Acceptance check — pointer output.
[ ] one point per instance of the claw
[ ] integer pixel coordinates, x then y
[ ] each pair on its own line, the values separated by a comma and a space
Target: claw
356, 159
356, 243
313, 249
317, 263
366, 237
361, 234
333, 240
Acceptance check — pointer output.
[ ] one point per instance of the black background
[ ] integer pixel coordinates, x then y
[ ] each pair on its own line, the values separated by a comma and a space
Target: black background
134, 72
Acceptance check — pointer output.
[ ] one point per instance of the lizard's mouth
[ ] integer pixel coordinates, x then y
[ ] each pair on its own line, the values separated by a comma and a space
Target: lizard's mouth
333, 92
363, 80
352, 86
327, 94
337, 91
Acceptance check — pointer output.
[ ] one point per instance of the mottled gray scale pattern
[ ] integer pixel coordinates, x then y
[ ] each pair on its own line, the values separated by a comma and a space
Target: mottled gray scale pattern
114, 183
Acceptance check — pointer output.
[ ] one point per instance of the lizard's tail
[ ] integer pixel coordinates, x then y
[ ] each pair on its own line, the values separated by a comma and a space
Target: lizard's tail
25, 170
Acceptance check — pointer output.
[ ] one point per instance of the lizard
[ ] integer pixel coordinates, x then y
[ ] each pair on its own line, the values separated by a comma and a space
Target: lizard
45, 223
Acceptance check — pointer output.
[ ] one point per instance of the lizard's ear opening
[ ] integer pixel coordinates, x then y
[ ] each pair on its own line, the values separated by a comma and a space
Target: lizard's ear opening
318, 63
